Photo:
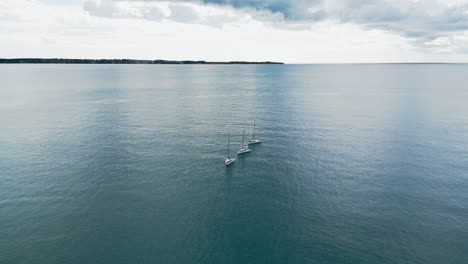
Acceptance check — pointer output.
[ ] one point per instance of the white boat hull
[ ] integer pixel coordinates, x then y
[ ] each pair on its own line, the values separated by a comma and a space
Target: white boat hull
242, 151
254, 141
229, 161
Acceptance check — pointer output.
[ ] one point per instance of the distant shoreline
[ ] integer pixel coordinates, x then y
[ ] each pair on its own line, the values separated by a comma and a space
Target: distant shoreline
124, 61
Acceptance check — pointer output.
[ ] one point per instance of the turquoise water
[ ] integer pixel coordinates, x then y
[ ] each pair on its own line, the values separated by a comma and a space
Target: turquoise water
124, 164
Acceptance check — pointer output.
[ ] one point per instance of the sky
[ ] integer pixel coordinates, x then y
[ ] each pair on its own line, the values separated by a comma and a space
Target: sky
291, 31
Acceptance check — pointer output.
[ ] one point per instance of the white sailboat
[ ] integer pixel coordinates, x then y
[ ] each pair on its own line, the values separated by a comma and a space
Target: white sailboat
244, 148
229, 160
253, 140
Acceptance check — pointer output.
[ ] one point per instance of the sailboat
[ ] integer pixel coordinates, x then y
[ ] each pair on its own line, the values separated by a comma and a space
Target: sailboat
244, 148
254, 140
229, 160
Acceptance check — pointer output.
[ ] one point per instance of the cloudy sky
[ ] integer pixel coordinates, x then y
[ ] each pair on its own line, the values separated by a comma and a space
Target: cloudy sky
293, 31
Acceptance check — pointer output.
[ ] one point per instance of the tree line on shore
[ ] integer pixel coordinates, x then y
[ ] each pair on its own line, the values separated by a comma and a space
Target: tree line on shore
123, 61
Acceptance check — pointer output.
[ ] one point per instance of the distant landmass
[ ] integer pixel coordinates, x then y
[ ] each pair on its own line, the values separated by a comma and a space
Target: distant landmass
125, 61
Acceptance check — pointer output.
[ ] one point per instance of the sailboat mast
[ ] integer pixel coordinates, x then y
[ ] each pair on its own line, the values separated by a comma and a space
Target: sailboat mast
253, 132
243, 135
229, 143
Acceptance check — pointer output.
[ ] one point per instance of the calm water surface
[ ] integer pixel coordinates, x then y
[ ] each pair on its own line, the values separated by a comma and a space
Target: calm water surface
124, 164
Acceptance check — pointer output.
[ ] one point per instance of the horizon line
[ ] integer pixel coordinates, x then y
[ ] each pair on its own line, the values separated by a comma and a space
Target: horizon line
123, 61
63, 60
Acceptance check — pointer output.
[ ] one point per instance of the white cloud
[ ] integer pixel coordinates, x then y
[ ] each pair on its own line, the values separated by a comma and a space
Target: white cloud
113, 9
183, 13
157, 11
150, 31
419, 20
8, 17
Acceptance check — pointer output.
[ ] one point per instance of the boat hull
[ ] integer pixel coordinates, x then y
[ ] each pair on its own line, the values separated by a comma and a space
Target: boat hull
254, 141
229, 161
242, 151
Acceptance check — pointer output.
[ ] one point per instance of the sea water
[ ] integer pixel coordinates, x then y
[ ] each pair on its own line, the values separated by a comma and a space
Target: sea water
125, 164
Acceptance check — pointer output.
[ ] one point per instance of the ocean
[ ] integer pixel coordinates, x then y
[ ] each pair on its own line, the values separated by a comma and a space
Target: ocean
360, 163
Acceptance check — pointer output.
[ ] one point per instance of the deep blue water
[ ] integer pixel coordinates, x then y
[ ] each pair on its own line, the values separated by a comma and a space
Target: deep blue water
124, 164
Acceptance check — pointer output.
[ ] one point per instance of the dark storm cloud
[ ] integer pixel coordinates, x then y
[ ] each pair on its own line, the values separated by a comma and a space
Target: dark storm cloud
422, 21
289, 9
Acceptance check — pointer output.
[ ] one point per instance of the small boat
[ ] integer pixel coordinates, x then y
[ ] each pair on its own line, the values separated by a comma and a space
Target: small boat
244, 148
253, 140
229, 160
